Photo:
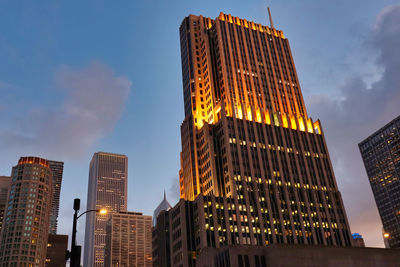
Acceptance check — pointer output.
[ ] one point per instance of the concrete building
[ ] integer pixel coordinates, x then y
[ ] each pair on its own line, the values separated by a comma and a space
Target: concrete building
107, 189
56, 250
5, 185
26, 221
57, 169
381, 155
285, 255
128, 240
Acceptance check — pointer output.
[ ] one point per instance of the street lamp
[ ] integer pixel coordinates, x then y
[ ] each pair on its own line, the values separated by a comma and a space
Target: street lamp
75, 254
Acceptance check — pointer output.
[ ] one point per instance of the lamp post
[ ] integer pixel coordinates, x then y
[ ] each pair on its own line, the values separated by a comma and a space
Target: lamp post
75, 254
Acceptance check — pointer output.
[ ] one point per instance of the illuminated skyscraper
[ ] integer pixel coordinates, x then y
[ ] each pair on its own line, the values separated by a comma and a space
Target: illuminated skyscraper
107, 189
247, 136
57, 168
381, 155
26, 221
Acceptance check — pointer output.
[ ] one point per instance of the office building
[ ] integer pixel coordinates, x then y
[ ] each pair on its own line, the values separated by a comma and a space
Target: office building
57, 168
164, 205
255, 168
107, 189
56, 250
26, 220
247, 134
5, 185
128, 240
288, 255
381, 155
358, 240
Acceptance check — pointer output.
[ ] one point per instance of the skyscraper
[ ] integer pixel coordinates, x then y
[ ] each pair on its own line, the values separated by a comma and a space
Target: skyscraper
247, 136
26, 221
57, 168
164, 205
107, 189
381, 155
5, 185
128, 240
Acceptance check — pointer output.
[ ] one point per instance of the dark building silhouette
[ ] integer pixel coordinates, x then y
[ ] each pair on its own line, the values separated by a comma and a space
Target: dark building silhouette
56, 250
381, 155
5, 185
57, 169
358, 240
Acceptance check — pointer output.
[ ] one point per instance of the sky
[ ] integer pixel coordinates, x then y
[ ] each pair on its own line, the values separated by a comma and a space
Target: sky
77, 77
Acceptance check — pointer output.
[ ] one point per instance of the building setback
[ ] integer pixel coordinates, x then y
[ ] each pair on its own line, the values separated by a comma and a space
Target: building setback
57, 169
107, 189
26, 221
5, 185
381, 155
128, 240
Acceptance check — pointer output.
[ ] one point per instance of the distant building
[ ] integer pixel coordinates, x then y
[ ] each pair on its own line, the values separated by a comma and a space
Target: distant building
164, 205
107, 189
56, 250
358, 240
381, 155
57, 168
289, 255
26, 224
128, 240
5, 185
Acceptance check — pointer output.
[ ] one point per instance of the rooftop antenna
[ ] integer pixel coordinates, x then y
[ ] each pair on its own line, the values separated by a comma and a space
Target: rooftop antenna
164, 194
270, 19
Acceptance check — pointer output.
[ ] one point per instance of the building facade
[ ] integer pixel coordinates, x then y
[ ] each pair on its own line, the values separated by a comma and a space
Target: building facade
128, 241
247, 134
26, 221
5, 185
381, 155
57, 246
57, 169
107, 189
358, 240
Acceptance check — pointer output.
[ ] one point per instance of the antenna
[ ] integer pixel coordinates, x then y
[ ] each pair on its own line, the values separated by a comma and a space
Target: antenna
270, 19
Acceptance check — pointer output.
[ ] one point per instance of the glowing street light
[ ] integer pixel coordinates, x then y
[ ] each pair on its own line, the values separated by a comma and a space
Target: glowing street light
386, 235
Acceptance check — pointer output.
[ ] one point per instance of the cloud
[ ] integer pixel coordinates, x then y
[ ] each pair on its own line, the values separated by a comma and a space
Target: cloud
93, 101
360, 110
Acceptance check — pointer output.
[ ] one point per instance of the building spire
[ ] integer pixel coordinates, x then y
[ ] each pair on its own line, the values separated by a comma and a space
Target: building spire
165, 196
270, 19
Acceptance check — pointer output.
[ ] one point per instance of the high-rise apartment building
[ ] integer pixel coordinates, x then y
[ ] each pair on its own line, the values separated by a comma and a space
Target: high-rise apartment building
57, 168
381, 155
128, 240
26, 221
107, 189
5, 185
247, 136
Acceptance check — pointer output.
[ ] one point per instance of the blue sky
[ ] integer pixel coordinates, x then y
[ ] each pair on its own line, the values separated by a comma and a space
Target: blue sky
77, 77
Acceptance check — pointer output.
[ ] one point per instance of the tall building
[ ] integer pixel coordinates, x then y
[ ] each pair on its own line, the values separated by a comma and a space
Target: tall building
26, 221
107, 189
164, 205
57, 168
381, 155
128, 241
247, 136
5, 185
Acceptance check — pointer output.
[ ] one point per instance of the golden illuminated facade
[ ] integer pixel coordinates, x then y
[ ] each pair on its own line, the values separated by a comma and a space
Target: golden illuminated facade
23, 240
247, 136
107, 189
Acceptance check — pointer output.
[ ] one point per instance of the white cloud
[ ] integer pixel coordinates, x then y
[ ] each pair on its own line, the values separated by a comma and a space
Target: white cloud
94, 99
